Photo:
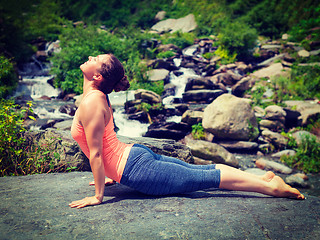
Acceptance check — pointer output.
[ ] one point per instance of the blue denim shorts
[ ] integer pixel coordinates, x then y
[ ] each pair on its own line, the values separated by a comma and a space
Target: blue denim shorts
155, 174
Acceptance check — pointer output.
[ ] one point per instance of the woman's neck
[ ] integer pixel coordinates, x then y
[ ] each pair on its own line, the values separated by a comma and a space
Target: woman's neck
88, 86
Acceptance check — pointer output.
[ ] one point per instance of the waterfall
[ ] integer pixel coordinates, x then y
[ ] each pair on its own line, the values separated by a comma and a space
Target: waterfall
36, 87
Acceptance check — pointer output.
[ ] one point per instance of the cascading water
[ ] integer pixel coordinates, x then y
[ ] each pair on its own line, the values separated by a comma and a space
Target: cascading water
128, 128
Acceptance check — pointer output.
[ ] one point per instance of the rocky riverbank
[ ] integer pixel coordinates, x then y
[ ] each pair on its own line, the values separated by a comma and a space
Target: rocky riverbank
202, 90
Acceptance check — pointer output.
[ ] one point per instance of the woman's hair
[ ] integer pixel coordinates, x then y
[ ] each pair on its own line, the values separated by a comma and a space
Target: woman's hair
114, 77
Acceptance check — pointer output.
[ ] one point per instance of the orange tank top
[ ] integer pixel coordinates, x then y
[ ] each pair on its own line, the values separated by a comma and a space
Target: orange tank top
115, 153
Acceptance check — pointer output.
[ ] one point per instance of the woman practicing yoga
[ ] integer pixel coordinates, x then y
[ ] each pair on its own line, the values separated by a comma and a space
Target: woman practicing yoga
136, 166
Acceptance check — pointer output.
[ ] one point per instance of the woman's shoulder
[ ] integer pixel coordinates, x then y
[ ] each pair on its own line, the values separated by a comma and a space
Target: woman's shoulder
93, 101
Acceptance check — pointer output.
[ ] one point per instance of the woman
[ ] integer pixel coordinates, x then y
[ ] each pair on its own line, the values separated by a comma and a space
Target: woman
137, 166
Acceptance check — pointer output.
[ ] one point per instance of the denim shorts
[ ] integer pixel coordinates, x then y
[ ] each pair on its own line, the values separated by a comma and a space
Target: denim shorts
155, 174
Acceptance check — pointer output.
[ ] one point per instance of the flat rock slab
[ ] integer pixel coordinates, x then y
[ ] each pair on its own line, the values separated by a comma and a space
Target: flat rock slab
36, 207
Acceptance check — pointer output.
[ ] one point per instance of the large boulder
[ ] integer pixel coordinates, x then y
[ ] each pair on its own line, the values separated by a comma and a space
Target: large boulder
211, 151
230, 117
166, 147
185, 24
70, 154
61, 142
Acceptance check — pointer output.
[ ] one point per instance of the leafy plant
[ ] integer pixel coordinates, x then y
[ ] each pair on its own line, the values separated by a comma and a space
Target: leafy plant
307, 157
225, 56
11, 141
253, 131
19, 156
167, 54
180, 39
198, 132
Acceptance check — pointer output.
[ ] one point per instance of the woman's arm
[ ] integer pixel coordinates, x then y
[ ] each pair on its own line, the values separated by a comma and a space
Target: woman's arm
92, 117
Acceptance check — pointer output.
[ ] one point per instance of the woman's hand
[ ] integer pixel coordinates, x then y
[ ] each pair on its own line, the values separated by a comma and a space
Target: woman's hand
88, 201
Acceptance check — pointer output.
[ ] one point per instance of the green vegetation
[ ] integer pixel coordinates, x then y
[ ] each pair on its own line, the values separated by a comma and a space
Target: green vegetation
8, 77
17, 156
236, 23
306, 157
198, 132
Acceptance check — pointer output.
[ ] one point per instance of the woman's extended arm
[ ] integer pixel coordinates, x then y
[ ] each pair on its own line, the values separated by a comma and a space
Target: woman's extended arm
92, 117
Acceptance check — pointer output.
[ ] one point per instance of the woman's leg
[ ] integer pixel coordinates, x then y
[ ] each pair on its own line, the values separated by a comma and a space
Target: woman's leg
269, 184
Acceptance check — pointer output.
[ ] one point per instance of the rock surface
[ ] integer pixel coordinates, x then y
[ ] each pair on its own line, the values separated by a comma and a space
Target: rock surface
36, 207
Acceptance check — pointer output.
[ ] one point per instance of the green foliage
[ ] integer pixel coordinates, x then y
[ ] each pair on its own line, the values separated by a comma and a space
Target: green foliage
292, 143
23, 21
8, 77
307, 157
180, 39
305, 81
301, 29
253, 131
146, 107
167, 54
226, 57
238, 38
198, 132
12, 144
257, 96
18, 156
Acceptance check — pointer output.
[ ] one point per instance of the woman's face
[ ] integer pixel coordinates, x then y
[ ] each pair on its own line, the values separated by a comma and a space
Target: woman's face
91, 67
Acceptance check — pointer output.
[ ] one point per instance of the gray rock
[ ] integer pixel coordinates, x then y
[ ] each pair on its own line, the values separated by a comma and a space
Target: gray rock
36, 207
276, 139
158, 74
274, 166
275, 126
201, 95
230, 117
160, 15
269, 61
303, 53
166, 147
308, 109
299, 135
243, 85
296, 181
286, 152
239, 146
211, 151
275, 69
148, 96
64, 125
275, 112
192, 117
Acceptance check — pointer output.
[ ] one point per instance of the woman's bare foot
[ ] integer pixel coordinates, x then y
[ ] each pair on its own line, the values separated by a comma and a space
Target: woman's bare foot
281, 189
268, 176
107, 182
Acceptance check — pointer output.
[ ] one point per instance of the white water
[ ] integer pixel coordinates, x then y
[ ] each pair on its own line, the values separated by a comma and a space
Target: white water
128, 128
36, 87
180, 83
